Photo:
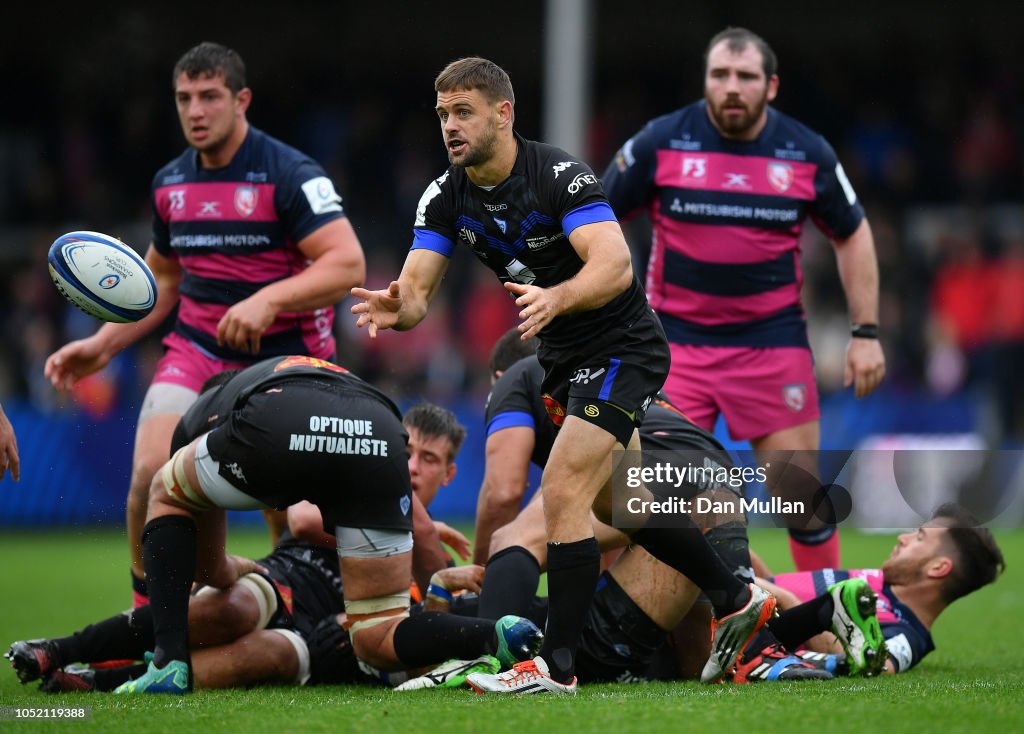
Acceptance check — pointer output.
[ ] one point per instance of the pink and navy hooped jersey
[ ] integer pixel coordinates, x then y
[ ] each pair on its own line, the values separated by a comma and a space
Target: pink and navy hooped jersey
726, 215
234, 230
907, 640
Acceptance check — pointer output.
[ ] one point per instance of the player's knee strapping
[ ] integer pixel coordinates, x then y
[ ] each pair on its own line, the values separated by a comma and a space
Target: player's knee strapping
365, 613
370, 543
266, 599
301, 650
179, 488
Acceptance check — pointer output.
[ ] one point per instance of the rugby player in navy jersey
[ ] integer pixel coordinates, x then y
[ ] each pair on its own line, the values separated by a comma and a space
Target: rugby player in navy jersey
945, 559
728, 183
250, 241
537, 216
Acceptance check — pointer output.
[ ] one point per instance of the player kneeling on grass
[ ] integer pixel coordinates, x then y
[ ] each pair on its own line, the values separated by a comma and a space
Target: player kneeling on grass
285, 430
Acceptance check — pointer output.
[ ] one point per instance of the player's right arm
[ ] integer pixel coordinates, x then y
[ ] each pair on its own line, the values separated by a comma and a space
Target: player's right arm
629, 179
84, 356
8, 448
405, 301
506, 475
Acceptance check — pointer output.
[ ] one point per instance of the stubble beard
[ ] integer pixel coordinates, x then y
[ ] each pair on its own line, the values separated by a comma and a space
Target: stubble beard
736, 126
480, 153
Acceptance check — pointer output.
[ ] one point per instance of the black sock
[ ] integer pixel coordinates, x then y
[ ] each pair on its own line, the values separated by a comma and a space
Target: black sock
429, 638
107, 679
573, 569
510, 583
687, 550
139, 588
169, 552
796, 625
128, 635
812, 537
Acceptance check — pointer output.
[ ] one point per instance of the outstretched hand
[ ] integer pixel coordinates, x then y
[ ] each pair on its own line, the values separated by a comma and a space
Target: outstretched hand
379, 310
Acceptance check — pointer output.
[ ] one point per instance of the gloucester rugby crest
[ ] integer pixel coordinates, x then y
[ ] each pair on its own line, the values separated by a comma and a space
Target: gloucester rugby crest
780, 176
246, 198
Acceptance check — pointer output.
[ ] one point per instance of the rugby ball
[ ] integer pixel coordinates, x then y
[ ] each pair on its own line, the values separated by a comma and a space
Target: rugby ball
102, 276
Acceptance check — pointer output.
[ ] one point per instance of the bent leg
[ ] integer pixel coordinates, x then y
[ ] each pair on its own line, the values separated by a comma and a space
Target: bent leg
263, 656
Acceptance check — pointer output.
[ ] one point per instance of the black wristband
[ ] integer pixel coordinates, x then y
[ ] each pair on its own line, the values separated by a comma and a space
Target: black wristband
864, 331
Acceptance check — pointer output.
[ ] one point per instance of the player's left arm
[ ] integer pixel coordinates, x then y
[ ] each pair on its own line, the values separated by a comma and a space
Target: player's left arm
337, 265
607, 271
428, 556
858, 271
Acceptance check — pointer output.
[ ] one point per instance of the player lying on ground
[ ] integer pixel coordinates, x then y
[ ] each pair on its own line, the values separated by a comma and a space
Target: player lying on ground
947, 558
282, 624
519, 433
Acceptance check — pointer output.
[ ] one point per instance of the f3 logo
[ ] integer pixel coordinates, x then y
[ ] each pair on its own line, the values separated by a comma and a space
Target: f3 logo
695, 167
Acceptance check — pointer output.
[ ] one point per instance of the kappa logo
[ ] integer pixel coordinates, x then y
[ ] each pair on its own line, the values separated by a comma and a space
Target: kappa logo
236, 470
780, 176
404, 504
736, 181
795, 397
246, 198
695, 167
559, 167
584, 376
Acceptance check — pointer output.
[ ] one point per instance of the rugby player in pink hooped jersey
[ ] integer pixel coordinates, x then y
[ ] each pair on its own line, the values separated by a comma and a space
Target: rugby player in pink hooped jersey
728, 182
249, 239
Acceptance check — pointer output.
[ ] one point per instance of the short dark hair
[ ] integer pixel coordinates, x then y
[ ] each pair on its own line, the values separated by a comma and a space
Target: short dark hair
738, 39
977, 559
509, 349
474, 72
432, 421
210, 59
218, 379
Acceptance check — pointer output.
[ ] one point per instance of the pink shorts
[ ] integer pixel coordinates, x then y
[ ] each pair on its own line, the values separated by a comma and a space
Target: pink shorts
758, 390
187, 365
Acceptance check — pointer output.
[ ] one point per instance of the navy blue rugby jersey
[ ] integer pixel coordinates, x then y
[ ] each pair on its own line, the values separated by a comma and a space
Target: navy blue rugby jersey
520, 230
234, 230
726, 217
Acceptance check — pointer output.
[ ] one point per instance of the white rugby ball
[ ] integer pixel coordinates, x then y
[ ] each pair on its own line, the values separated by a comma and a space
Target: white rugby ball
102, 276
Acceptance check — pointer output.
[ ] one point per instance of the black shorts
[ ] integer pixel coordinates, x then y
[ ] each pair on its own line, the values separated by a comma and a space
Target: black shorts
625, 366
340, 449
307, 582
618, 640
621, 643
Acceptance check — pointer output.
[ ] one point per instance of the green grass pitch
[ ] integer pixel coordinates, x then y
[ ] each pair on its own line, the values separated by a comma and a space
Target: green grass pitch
54, 582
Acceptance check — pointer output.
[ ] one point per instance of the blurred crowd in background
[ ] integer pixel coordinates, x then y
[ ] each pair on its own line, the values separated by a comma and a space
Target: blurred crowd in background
924, 113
